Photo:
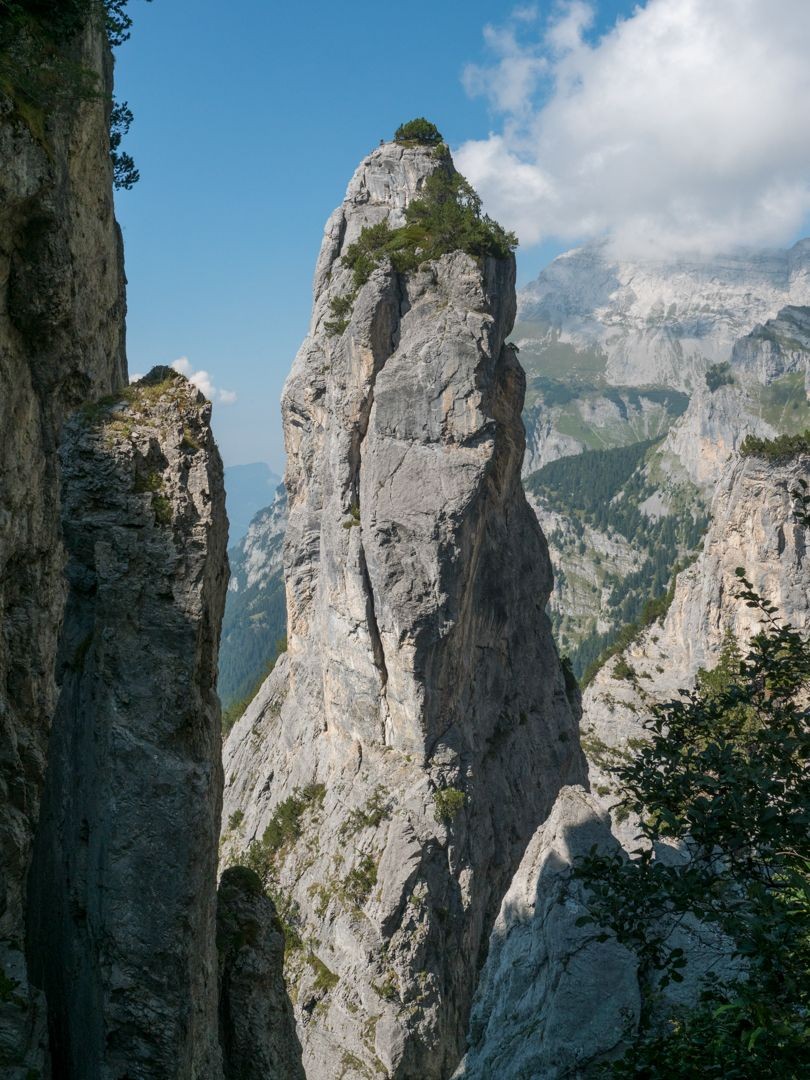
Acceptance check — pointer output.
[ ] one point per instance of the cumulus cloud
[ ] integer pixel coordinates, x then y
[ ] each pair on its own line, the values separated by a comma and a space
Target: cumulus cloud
202, 380
685, 127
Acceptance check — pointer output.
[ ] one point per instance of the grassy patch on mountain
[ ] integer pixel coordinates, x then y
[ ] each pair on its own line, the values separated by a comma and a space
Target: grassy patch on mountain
784, 405
543, 353
601, 417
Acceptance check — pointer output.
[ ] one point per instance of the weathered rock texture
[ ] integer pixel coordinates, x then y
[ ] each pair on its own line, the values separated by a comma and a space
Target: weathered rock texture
256, 1022
552, 1002
552, 997
417, 731
123, 884
753, 527
61, 343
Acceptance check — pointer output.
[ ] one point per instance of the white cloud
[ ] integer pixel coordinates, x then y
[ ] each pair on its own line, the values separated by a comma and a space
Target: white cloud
202, 380
685, 127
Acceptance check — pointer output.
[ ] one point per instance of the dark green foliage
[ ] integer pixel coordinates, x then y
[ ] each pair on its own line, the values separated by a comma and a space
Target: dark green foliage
125, 175
724, 772
801, 503
419, 131
40, 75
588, 481
284, 829
358, 883
376, 810
782, 448
601, 647
447, 217
622, 670
235, 709
449, 803
719, 375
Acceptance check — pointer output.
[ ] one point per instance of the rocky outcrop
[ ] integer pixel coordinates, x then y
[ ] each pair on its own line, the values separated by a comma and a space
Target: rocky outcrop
61, 343
123, 884
779, 347
553, 1001
753, 527
553, 998
393, 767
256, 1022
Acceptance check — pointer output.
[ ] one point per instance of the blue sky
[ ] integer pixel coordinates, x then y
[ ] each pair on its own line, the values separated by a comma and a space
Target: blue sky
666, 125
249, 121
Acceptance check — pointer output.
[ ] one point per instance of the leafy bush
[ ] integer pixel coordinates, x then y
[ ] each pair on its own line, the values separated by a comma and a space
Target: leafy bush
358, 883
284, 829
723, 773
782, 448
419, 131
445, 218
448, 804
719, 375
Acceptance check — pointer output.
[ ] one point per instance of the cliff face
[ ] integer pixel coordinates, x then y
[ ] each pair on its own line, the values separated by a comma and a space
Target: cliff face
753, 527
394, 765
656, 322
61, 343
123, 884
551, 999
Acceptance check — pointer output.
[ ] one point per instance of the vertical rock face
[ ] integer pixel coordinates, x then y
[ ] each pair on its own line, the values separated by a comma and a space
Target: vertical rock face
543, 972
396, 762
753, 527
552, 997
122, 897
256, 1022
61, 343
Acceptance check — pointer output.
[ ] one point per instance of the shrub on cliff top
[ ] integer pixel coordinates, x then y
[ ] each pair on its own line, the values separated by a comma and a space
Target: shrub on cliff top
419, 131
782, 448
445, 218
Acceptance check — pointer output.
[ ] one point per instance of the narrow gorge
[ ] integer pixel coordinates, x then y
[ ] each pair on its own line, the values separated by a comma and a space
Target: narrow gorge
370, 863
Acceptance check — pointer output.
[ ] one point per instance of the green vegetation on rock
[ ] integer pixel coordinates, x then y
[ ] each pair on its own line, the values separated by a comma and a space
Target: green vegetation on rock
723, 774
41, 75
418, 132
284, 829
605, 490
782, 448
719, 375
446, 217
448, 804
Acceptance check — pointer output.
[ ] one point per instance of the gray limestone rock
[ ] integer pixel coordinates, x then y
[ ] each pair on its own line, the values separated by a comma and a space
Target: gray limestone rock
256, 1022
753, 526
61, 343
122, 892
552, 998
395, 764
